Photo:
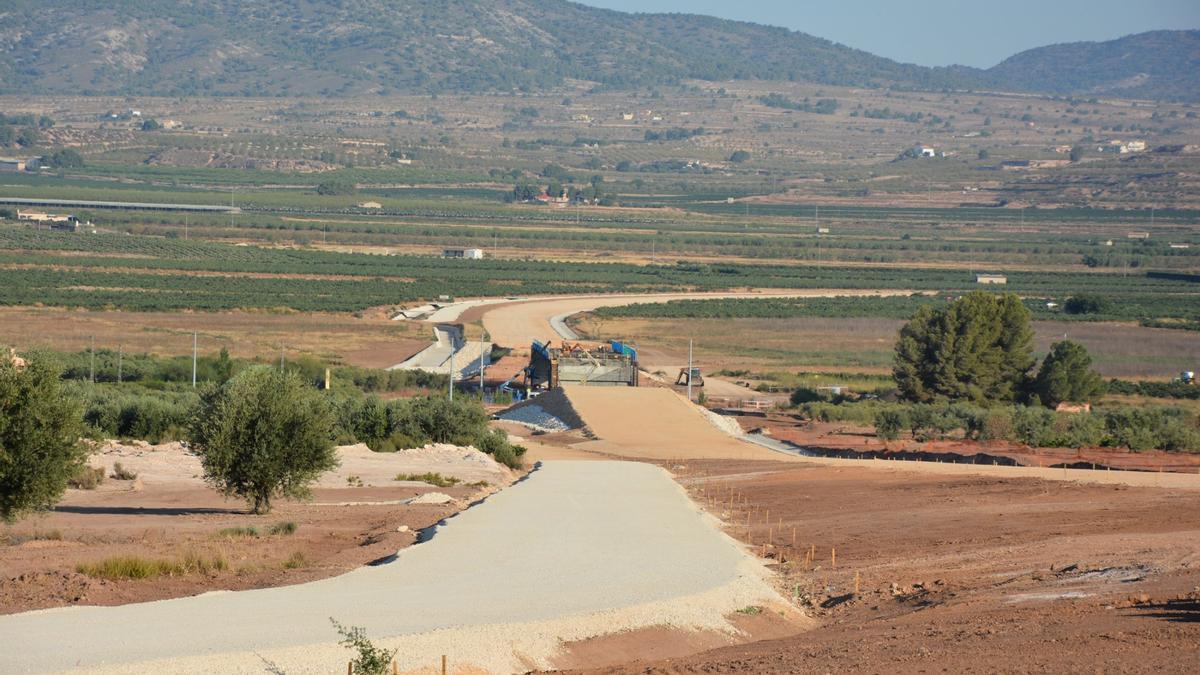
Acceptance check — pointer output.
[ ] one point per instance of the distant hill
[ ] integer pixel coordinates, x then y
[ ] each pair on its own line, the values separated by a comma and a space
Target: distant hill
1158, 65
348, 47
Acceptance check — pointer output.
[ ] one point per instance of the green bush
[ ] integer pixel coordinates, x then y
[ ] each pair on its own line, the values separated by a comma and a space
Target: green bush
1033, 426
370, 660
889, 423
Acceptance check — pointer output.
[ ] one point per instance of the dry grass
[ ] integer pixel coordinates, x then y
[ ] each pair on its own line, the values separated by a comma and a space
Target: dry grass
283, 528
435, 479
121, 473
88, 478
136, 567
373, 341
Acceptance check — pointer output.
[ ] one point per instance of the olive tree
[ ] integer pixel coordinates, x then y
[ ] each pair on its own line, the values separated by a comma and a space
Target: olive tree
264, 434
40, 426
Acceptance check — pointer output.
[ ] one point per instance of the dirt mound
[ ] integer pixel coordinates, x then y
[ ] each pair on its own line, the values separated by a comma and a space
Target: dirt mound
360, 464
175, 463
552, 411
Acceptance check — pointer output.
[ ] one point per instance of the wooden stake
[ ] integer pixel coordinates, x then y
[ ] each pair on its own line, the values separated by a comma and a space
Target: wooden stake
856, 582
443, 664
833, 557
395, 668
793, 536
350, 668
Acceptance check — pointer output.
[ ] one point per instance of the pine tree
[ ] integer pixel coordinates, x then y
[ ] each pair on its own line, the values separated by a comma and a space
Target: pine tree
977, 349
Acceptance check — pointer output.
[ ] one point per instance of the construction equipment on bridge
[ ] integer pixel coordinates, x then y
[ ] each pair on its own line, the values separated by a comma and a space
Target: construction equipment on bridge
609, 364
690, 376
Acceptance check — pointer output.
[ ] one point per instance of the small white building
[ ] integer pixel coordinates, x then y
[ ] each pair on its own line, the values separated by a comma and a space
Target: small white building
469, 253
927, 151
991, 279
370, 205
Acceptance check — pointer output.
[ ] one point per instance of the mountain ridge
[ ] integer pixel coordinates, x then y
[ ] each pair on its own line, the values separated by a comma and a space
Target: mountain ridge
355, 47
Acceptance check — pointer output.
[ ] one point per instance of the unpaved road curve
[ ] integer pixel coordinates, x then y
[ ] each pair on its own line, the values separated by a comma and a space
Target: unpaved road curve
518, 323
578, 549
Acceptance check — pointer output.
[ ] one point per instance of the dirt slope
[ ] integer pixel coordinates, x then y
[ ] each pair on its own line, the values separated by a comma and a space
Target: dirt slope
655, 423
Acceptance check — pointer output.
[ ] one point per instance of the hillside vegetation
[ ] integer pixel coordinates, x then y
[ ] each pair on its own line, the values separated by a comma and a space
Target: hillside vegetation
348, 47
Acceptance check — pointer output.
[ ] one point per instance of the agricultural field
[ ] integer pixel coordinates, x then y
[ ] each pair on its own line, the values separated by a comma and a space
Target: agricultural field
858, 351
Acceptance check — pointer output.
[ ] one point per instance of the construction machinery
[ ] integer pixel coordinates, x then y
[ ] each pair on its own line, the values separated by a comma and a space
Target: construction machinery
690, 376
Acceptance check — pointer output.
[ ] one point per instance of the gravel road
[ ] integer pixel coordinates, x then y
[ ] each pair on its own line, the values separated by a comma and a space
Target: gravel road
516, 324
578, 549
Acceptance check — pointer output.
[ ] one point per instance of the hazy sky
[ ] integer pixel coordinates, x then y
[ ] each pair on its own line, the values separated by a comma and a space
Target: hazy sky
942, 32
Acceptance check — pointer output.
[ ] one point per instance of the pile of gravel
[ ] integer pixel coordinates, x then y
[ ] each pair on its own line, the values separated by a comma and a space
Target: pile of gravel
549, 412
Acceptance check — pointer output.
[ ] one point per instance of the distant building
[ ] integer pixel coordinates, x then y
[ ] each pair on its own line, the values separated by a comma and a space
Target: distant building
42, 217
370, 205
627, 116
18, 164
991, 279
1133, 146
469, 253
822, 230
562, 199
1181, 245
1138, 235
53, 221
927, 151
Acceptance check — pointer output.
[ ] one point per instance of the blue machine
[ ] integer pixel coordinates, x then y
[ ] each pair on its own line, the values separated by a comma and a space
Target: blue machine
623, 349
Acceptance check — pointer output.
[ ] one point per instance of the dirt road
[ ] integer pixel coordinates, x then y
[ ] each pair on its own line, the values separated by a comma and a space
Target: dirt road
655, 423
578, 549
518, 323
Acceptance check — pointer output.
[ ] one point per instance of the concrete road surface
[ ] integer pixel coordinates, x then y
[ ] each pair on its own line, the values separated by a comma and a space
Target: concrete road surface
468, 356
575, 540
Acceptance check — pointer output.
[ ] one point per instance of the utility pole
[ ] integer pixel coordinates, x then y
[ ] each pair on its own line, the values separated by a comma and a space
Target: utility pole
690, 371
194, 342
185, 224
481, 367
451, 370
120, 353
281, 357
92, 368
